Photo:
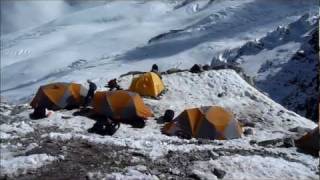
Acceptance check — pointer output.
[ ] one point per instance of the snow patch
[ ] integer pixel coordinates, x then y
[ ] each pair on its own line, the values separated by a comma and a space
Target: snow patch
256, 167
22, 164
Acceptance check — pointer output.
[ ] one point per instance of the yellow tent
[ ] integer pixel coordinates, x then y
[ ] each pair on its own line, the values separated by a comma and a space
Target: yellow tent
59, 95
147, 84
120, 105
211, 122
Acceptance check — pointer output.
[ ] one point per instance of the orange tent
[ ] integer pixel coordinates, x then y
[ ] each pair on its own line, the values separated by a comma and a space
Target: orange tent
211, 122
120, 105
59, 95
147, 84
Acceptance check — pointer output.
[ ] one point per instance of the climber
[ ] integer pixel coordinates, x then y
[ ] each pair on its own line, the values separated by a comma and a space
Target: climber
155, 69
167, 117
105, 127
112, 84
92, 89
39, 112
196, 69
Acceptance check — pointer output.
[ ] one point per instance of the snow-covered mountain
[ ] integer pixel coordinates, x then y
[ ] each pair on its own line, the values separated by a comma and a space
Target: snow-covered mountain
284, 64
274, 42
60, 147
107, 40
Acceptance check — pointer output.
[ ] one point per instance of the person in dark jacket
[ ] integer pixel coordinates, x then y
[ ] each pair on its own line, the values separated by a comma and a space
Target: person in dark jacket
167, 117
92, 89
105, 127
39, 112
196, 69
113, 84
155, 69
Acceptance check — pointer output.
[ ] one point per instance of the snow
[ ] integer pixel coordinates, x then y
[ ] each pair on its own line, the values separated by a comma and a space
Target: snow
115, 42
132, 173
240, 98
200, 90
23, 164
109, 39
255, 167
66, 121
18, 128
273, 63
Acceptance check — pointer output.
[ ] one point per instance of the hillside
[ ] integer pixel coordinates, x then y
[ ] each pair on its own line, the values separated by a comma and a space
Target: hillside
263, 57
59, 146
92, 44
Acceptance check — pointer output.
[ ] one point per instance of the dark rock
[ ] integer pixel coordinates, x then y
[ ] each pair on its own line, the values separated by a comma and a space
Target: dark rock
280, 142
168, 115
301, 54
280, 112
288, 142
206, 67
132, 73
270, 143
138, 154
194, 176
196, 69
247, 123
248, 132
66, 117
105, 127
219, 173
219, 144
252, 142
250, 124
174, 70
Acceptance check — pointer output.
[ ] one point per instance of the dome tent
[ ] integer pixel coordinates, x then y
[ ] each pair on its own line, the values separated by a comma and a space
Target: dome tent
147, 84
59, 95
120, 105
210, 122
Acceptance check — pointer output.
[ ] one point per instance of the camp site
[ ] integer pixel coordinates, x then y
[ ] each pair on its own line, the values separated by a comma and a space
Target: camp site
152, 90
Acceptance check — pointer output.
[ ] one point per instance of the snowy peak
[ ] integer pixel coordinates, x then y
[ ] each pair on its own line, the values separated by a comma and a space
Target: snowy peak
283, 64
294, 32
113, 42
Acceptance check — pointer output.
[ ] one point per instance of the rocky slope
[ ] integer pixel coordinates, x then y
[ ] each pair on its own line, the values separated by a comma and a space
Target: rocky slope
284, 64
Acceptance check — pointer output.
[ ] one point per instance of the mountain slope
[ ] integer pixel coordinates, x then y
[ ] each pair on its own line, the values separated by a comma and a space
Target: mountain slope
110, 42
284, 64
60, 144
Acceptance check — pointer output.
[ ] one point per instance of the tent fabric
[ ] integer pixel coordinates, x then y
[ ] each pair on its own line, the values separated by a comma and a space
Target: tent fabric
211, 122
147, 84
120, 105
310, 142
59, 95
